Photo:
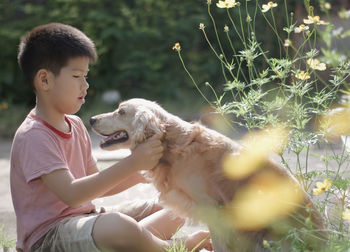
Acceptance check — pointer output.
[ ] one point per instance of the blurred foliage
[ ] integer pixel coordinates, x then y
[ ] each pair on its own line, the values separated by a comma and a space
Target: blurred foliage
133, 41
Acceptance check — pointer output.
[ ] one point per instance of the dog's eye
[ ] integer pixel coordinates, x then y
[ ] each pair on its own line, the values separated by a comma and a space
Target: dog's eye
121, 111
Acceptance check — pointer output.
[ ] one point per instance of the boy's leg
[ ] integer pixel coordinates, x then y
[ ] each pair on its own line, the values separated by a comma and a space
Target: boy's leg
150, 214
120, 233
163, 224
137, 209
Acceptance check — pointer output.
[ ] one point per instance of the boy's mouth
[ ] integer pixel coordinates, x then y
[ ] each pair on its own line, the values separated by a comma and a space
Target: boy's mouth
82, 98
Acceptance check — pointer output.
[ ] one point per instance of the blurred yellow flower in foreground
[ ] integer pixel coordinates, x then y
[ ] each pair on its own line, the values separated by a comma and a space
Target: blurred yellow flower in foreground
267, 198
321, 187
346, 215
314, 20
316, 64
258, 147
268, 6
302, 75
335, 123
177, 47
227, 4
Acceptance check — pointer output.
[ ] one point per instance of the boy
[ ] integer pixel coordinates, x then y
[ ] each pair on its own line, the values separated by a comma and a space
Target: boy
53, 174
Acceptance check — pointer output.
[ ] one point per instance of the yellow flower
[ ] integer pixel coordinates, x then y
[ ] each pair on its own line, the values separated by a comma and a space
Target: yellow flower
327, 6
344, 14
316, 64
321, 187
227, 4
177, 47
287, 42
266, 244
249, 19
226, 28
346, 215
301, 28
268, 6
314, 20
3, 106
302, 75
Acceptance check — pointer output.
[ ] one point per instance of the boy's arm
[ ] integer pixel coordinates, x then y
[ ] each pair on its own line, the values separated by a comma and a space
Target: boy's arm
128, 182
75, 192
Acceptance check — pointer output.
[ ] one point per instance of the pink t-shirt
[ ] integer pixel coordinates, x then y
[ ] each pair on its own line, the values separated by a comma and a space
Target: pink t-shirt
39, 149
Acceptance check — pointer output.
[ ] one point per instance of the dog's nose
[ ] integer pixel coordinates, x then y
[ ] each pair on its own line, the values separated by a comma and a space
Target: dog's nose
92, 121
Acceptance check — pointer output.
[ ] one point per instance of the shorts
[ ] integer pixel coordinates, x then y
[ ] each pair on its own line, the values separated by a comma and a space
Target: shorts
75, 233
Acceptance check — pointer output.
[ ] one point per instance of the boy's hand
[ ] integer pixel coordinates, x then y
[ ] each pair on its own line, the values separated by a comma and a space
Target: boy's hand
146, 155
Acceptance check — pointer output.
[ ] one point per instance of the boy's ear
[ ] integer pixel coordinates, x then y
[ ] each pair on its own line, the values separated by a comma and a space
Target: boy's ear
41, 80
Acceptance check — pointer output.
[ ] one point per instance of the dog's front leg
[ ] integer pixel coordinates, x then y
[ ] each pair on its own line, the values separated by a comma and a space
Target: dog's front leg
178, 201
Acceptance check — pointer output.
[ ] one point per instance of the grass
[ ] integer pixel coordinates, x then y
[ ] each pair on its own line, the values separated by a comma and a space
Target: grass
5, 242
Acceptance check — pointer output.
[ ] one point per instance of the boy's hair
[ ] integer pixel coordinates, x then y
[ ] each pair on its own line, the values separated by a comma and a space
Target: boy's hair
50, 46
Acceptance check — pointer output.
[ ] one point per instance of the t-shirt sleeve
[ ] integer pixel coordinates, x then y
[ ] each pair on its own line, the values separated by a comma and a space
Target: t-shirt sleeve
41, 154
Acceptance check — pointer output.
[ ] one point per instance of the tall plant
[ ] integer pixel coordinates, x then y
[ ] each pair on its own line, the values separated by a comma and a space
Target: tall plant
294, 89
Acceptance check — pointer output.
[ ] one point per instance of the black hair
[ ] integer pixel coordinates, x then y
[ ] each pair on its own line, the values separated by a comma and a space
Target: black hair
50, 47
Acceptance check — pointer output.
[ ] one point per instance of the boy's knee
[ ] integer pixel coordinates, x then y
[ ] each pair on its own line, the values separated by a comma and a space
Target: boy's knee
115, 230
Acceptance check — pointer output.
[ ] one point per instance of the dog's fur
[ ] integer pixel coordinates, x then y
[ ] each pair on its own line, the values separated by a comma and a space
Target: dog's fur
189, 175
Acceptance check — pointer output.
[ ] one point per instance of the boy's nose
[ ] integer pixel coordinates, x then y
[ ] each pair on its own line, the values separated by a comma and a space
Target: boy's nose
92, 121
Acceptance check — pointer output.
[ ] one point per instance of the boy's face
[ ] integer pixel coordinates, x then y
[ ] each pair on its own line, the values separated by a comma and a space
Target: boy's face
69, 88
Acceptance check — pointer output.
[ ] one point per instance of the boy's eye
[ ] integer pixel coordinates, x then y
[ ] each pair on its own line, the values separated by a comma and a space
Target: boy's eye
78, 76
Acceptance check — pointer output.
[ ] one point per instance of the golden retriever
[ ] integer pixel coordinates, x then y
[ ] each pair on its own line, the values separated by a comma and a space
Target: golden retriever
190, 177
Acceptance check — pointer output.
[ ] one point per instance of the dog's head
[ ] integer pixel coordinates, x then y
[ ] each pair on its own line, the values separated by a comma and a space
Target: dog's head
134, 121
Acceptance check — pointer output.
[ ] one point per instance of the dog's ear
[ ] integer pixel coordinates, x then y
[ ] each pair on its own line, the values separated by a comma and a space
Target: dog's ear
146, 124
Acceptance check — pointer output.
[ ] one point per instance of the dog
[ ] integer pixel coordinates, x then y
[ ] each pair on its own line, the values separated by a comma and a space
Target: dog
190, 178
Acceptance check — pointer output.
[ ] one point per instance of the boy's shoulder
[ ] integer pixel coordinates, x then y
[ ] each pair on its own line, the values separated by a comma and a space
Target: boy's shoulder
75, 118
29, 128
34, 128
77, 123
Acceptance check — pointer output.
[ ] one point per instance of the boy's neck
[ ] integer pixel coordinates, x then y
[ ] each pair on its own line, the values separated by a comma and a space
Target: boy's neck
55, 119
